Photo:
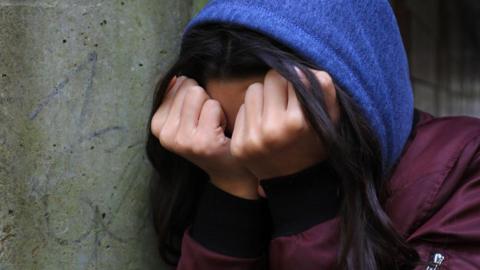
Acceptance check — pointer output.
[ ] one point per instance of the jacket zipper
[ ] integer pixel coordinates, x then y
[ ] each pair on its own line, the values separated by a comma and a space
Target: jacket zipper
435, 261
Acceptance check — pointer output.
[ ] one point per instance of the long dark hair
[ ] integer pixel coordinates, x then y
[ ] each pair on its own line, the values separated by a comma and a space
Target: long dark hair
225, 51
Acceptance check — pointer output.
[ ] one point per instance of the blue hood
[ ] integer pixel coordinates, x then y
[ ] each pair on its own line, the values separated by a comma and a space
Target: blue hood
356, 41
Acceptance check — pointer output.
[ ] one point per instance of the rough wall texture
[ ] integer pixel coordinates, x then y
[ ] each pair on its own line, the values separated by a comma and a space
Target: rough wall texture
76, 79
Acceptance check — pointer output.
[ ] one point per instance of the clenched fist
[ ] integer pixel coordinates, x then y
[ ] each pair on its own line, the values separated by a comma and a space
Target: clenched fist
191, 124
271, 136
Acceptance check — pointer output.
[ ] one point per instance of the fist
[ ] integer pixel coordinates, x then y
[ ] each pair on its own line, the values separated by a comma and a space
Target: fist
191, 124
271, 136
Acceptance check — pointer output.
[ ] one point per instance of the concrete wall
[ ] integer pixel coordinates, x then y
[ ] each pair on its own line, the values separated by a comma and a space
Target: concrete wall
198, 5
76, 79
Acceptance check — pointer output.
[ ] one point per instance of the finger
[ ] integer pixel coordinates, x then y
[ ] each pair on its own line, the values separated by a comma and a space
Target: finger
239, 130
275, 93
211, 116
253, 105
302, 76
174, 113
323, 78
239, 127
329, 94
164, 108
306, 82
293, 104
192, 107
160, 115
182, 83
326, 83
171, 90
172, 82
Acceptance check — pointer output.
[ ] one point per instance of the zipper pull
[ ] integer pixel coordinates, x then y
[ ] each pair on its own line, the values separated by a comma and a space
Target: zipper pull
435, 261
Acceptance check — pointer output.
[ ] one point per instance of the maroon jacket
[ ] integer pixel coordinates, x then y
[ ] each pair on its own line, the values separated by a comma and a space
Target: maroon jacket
434, 203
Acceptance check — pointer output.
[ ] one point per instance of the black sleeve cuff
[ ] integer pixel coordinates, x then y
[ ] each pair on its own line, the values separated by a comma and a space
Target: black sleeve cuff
302, 200
231, 225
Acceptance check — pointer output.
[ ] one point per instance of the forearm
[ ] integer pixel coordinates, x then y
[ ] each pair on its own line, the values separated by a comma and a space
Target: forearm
304, 208
228, 232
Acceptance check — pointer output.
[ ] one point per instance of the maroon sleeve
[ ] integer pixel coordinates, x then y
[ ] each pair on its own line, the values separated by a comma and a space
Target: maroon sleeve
304, 208
228, 232
197, 257
233, 233
450, 238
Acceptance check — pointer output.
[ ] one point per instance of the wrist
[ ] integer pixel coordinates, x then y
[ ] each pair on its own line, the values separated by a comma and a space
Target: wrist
242, 188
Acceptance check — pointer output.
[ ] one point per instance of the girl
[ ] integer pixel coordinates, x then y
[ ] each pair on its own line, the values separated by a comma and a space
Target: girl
284, 137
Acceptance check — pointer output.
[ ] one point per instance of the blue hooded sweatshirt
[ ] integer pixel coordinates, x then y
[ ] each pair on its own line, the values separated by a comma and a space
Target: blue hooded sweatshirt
356, 41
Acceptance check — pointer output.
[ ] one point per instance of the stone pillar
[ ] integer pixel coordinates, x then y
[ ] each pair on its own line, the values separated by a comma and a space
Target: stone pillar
76, 85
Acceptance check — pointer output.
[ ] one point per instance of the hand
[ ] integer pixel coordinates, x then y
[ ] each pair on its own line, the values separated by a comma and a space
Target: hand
271, 136
191, 124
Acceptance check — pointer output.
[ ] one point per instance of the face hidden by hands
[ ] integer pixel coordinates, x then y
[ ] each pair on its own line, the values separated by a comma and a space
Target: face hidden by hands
241, 131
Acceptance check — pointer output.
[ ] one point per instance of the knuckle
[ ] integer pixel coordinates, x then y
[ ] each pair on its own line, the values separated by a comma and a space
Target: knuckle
192, 81
155, 127
199, 150
189, 82
237, 150
255, 145
202, 147
253, 91
211, 106
157, 122
324, 78
185, 87
296, 123
196, 91
254, 88
194, 94
182, 143
272, 134
272, 74
165, 138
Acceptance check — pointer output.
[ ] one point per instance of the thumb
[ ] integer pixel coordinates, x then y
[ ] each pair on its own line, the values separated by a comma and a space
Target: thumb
212, 115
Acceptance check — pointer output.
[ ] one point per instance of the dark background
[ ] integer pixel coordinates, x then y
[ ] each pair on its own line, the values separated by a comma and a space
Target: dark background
442, 39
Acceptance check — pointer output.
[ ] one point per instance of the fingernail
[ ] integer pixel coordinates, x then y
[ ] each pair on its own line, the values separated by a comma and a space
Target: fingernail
300, 73
172, 82
297, 69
